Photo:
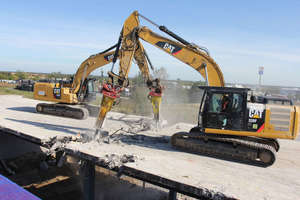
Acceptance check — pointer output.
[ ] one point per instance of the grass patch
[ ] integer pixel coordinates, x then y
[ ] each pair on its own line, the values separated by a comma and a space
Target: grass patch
12, 91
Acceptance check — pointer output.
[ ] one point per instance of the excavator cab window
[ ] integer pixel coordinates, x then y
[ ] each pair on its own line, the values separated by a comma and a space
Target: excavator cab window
90, 87
88, 90
224, 109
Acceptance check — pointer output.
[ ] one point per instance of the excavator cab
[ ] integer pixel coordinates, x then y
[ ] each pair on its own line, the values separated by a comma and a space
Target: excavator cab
226, 122
87, 91
223, 108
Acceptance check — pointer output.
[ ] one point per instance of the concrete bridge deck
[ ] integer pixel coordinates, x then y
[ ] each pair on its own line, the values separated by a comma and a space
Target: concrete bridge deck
156, 161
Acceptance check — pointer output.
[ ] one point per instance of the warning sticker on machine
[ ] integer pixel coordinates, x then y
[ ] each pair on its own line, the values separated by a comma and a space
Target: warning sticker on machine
256, 117
42, 93
256, 110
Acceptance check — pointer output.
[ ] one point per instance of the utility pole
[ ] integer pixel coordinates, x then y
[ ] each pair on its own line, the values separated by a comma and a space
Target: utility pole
260, 73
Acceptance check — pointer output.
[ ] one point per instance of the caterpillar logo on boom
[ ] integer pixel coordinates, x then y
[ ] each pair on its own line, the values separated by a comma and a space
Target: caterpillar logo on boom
173, 49
109, 57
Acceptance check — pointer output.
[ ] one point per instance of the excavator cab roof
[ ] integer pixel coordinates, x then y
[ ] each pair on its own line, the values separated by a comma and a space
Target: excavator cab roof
224, 89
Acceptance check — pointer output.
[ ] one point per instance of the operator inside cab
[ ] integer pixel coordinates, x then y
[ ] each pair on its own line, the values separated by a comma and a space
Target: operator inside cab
225, 108
225, 103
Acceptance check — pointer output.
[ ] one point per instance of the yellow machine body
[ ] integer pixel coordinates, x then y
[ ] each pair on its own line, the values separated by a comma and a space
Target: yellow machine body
46, 91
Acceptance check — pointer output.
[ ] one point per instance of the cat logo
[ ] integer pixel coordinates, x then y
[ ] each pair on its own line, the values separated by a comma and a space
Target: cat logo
256, 111
172, 49
256, 114
169, 47
57, 93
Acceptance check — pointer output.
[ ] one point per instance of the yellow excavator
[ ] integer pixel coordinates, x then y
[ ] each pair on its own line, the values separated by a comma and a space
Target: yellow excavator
70, 96
231, 125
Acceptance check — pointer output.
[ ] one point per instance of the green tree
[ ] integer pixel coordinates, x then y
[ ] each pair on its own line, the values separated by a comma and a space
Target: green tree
55, 75
21, 75
36, 78
12, 77
3, 76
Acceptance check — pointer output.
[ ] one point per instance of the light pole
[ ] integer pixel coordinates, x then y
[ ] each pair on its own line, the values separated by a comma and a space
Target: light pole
260, 73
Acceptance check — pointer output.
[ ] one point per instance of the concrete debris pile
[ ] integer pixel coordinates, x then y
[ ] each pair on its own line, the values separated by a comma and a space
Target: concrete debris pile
120, 136
112, 161
139, 125
131, 132
58, 143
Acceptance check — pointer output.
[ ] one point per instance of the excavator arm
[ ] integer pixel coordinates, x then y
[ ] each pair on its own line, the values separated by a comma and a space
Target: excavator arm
194, 56
141, 60
190, 55
89, 65
129, 50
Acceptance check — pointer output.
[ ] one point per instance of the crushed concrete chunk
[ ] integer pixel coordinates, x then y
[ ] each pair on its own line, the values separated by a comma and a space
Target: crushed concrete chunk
115, 161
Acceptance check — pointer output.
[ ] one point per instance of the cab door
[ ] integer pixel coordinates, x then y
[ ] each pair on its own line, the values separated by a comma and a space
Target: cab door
224, 110
90, 93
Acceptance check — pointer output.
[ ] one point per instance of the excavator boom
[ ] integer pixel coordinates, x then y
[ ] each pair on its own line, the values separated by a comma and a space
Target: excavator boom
194, 56
190, 55
89, 65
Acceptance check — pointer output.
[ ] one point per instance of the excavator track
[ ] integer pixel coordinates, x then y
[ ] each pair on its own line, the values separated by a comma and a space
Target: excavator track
62, 110
250, 150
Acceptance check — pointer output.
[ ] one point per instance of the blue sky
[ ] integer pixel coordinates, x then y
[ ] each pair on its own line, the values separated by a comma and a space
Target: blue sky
52, 36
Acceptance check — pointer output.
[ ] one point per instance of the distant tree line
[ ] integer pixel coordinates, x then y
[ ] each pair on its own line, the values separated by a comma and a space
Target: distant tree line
13, 76
33, 76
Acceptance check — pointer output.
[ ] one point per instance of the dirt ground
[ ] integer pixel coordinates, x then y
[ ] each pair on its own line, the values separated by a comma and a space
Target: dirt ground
137, 137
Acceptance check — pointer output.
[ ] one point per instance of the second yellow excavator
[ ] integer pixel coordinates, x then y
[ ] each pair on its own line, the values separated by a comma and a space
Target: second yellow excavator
70, 96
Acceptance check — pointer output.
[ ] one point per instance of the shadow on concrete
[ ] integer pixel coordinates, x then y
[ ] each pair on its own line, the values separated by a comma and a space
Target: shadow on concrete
53, 127
154, 142
23, 109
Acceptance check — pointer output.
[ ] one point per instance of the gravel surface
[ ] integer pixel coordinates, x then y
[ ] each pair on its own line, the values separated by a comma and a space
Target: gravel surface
131, 136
